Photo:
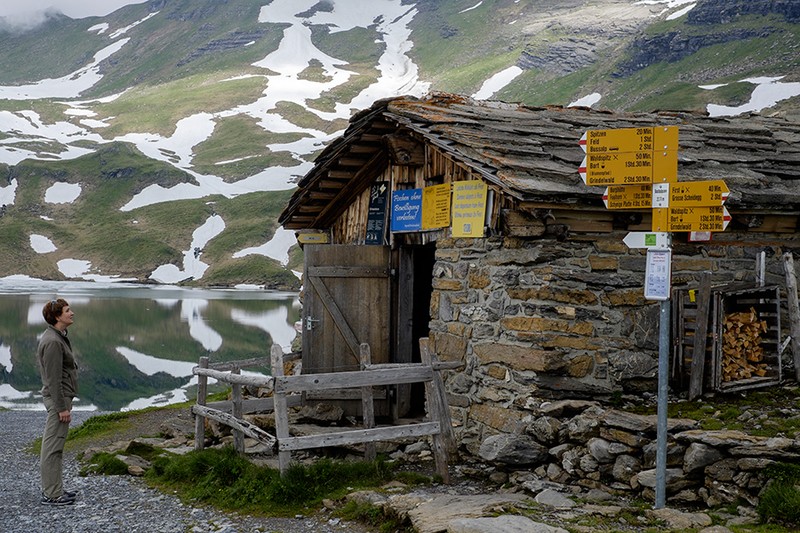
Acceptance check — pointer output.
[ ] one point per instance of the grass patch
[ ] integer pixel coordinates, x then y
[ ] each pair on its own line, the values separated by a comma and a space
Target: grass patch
675, 85
469, 78
253, 269
760, 413
303, 118
223, 478
106, 464
457, 49
780, 501
375, 516
156, 109
241, 145
99, 425
537, 88
347, 91
96, 426
145, 451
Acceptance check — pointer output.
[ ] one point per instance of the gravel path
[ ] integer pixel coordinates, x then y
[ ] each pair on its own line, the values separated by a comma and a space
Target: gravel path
111, 504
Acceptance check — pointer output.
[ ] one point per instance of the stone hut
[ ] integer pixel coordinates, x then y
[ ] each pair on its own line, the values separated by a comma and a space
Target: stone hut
542, 302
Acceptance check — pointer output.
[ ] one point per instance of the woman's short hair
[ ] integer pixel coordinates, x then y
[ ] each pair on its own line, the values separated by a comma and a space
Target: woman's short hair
53, 309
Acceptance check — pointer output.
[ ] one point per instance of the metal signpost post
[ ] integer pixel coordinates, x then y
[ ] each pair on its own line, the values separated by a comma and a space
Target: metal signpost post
640, 168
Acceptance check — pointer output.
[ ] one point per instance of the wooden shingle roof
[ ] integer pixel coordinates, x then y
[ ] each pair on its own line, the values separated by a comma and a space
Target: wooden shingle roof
533, 155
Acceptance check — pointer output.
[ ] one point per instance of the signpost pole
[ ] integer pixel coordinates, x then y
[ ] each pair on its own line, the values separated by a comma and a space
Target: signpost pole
627, 160
658, 286
663, 374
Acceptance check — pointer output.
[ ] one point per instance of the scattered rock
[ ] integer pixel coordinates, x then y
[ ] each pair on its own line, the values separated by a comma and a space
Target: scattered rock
501, 524
680, 520
433, 513
554, 499
511, 449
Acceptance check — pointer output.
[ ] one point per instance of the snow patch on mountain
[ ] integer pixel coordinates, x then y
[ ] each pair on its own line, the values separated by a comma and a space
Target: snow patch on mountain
62, 193
5, 358
768, 91
122, 31
41, 244
276, 248
587, 101
497, 82
69, 86
54, 140
669, 5
476, 6
193, 267
99, 29
8, 193
681, 12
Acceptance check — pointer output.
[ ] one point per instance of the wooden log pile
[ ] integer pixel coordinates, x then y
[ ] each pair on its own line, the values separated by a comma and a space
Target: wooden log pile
742, 352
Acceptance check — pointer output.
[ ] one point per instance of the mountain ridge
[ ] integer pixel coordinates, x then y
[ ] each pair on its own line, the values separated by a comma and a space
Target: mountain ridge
206, 95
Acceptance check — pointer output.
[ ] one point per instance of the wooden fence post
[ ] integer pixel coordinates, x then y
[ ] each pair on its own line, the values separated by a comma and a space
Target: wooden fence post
199, 421
367, 403
438, 389
700, 337
281, 409
236, 397
794, 311
436, 413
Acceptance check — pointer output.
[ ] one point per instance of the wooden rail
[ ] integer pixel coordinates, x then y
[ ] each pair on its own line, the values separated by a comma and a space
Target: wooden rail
292, 390
231, 413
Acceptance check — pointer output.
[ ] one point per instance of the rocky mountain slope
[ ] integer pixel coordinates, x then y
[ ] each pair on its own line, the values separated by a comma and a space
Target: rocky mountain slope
158, 143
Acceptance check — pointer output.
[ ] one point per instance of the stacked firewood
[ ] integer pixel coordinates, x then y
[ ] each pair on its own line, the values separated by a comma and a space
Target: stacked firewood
741, 346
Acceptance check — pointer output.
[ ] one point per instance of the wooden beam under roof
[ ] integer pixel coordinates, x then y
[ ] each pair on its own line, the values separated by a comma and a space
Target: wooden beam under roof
370, 138
343, 174
331, 184
363, 149
351, 161
319, 195
302, 220
361, 180
310, 208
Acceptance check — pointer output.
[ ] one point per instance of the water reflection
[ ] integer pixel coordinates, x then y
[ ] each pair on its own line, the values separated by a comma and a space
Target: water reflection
136, 344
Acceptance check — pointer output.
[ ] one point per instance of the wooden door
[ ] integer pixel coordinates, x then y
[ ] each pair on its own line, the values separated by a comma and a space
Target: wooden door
347, 293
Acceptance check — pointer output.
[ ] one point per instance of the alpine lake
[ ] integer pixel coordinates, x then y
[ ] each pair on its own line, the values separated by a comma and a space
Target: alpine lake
136, 345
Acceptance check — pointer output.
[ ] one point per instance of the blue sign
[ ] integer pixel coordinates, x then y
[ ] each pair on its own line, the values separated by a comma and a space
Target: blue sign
407, 210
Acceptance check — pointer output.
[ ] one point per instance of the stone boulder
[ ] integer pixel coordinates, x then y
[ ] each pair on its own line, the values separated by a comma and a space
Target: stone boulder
516, 450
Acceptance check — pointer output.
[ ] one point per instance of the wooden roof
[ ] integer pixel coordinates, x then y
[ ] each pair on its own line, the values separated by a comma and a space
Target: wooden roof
533, 155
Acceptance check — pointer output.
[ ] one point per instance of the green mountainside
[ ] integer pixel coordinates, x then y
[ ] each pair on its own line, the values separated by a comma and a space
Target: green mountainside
189, 57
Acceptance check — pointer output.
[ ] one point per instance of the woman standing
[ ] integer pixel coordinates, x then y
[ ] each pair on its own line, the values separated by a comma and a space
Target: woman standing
59, 387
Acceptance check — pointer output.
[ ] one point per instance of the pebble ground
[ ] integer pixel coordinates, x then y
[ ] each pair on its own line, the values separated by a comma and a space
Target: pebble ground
110, 504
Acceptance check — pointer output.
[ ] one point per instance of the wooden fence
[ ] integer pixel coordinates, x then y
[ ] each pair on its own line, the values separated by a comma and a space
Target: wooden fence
291, 391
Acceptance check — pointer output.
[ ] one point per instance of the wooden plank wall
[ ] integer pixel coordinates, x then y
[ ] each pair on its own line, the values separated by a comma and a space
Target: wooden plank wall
351, 226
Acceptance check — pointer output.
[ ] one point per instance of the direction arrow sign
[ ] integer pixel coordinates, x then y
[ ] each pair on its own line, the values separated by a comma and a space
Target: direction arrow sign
629, 168
628, 197
647, 239
651, 139
698, 193
697, 218
617, 168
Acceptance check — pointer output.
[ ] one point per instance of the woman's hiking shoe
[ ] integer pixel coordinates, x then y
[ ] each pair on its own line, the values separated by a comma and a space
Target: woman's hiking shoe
71, 494
61, 500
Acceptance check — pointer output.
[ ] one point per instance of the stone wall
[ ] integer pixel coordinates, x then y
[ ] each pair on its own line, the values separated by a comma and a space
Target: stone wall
571, 443
536, 319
